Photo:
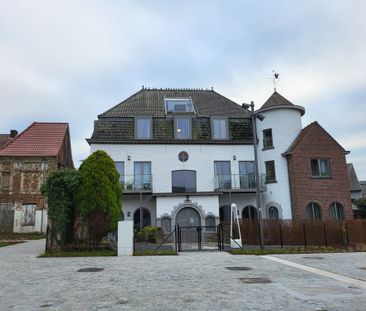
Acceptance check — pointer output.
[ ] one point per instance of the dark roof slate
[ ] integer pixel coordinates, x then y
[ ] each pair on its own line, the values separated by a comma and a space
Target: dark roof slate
151, 102
276, 100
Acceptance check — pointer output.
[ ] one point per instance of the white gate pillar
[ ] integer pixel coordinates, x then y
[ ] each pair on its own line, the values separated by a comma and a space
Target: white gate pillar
125, 238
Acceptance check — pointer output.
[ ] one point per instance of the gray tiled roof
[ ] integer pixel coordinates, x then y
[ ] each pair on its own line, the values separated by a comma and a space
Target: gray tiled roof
276, 100
151, 102
354, 184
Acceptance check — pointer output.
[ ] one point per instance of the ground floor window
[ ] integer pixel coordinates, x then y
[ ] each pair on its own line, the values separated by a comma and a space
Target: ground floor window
273, 213
146, 218
210, 223
166, 224
313, 211
336, 211
29, 214
249, 212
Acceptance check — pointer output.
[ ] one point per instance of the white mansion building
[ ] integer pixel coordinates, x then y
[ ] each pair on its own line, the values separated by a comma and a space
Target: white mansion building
184, 155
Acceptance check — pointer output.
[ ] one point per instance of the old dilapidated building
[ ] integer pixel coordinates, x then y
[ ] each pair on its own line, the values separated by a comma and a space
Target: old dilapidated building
25, 162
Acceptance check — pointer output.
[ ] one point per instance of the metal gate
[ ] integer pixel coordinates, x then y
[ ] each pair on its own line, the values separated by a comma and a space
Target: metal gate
198, 238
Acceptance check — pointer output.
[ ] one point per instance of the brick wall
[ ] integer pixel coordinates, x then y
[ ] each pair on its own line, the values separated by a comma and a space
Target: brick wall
323, 191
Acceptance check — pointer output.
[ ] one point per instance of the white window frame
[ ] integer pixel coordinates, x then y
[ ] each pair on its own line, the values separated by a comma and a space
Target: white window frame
137, 118
213, 119
176, 118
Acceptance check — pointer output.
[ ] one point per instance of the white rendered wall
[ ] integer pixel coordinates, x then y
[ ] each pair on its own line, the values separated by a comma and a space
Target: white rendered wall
40, 224
164, 160
131, 203
240, 199
286, 126
209, 205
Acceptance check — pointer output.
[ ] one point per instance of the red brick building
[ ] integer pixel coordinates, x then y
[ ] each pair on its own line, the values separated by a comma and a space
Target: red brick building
318, 176
25, 162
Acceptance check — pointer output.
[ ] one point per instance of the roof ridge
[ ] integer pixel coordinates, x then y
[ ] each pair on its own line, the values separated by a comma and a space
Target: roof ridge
225, 97
303, 133
175, 89
139, 91
17, 136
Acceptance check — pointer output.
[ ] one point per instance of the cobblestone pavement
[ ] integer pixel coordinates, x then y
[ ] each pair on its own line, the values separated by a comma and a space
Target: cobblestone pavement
190, 281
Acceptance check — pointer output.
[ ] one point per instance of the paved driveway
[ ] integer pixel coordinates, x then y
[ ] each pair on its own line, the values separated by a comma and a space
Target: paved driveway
191, 281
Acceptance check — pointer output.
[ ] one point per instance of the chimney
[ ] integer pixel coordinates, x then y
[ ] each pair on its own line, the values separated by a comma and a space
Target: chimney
13, 133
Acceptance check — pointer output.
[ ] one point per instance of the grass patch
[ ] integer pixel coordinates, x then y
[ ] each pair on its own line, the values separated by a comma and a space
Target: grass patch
295, 250
3, 244
80, 253
155, 253
21, 236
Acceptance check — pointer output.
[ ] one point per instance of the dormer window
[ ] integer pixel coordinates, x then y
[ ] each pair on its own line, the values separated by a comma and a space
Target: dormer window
182, 127
179, 105
143, 127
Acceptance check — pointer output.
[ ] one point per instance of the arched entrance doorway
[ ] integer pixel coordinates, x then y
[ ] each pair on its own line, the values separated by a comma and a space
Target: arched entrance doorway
146, 218
188, 216
224, 213
249, 212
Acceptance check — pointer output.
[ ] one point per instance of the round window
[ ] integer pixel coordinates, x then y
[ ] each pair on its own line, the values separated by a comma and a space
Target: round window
183, 156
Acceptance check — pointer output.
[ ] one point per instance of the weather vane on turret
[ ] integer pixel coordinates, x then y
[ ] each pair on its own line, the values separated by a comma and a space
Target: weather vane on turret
275, 77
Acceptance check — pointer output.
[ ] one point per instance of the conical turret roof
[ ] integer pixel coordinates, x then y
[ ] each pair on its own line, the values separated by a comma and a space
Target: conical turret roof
277, 101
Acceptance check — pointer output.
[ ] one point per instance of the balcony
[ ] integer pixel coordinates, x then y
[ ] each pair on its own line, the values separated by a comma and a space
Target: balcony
239, 182
137, 183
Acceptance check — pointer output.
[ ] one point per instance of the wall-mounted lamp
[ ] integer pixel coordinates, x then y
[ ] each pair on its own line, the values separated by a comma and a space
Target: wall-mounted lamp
128, 158
234, 157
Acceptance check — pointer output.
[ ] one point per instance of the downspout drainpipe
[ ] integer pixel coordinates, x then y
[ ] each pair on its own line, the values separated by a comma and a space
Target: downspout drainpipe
258, 186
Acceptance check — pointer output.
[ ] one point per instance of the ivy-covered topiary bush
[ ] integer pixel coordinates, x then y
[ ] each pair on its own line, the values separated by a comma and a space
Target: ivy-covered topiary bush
60, 189
99, 194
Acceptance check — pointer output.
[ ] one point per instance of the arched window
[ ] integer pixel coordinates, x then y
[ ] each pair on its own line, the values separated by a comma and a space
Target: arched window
146, 218
313, 211
273, 213
210, 223
249, 212
166, 224
336, 211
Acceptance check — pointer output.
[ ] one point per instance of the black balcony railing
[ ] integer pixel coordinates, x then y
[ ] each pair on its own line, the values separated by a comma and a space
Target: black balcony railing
238, 182
138, 182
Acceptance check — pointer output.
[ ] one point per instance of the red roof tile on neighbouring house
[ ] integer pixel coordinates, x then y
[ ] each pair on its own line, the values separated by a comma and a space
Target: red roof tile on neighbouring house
305, 131
39, 139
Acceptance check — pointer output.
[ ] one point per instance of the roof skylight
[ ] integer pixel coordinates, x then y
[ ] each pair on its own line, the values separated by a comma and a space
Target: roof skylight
179, 105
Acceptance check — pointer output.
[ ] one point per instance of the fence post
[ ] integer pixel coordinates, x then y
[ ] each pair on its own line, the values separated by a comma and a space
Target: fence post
325, 234
175, 239
281, 237
222, 237
303, 226
218, 237
259, 233
179, 240
347, 234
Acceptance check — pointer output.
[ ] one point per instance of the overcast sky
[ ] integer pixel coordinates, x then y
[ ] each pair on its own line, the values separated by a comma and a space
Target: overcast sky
71, 60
